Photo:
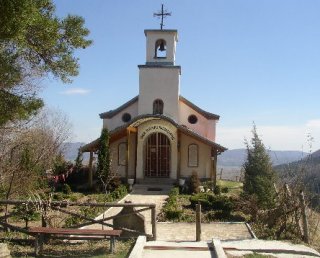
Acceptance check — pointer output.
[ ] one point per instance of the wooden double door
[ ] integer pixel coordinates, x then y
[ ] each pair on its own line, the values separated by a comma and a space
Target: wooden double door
157, 156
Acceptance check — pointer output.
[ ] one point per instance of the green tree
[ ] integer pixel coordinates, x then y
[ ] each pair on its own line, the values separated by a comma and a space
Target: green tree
34, 43
259, 176
78, 160
104, 160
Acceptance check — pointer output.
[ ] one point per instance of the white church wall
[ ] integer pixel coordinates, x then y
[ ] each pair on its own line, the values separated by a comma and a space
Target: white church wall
204, 157
116, 121
120, 170
211, 130
159, 83
145, 130
203, 127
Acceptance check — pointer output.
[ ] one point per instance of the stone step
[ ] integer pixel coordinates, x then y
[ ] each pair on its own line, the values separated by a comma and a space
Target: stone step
156, 181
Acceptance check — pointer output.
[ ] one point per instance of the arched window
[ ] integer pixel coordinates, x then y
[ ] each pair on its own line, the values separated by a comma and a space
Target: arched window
122, 154
158, 107
193, 155
160, 49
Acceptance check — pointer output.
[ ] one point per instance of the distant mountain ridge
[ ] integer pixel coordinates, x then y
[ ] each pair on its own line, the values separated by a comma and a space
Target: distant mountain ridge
229, 158
236, 157
70, 150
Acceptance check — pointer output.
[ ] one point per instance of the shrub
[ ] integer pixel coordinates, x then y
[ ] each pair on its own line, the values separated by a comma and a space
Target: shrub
225, 189
201, 198
173, 214
239, 216
171, 209
115, 182
58, 196
66, 189
208, 186
209, 201
217, 190
194, 184
119, 193
27, 213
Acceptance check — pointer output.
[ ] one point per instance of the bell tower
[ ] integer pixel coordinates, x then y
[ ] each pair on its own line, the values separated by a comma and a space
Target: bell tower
159, 77
161, 46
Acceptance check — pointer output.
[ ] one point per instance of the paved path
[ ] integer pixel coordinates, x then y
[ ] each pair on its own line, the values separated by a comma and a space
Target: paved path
176, 231
140, 194
161, 249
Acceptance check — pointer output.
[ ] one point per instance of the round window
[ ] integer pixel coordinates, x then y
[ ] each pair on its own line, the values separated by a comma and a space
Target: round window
126, 117
192, 119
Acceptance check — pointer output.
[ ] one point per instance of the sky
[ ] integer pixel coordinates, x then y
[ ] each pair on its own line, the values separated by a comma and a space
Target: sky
249, 61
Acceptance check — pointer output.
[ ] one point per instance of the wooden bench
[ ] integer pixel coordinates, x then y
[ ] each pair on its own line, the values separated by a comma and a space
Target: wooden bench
67, 233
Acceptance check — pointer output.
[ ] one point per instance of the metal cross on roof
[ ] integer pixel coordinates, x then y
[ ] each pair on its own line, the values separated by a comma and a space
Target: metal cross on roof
163, 14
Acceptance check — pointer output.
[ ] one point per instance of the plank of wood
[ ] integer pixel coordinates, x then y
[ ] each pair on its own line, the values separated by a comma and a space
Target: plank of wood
68, 231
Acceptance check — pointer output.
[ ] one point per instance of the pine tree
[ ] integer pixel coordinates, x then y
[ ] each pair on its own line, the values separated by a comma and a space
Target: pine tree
78, 160
103, 169
259, 176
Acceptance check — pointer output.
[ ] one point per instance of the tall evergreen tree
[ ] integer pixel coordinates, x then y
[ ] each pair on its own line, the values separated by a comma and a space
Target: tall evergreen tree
103, 169
78, 160
259, 176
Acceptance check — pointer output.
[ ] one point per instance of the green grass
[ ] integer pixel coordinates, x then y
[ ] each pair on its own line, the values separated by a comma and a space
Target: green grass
229, 184
235, 188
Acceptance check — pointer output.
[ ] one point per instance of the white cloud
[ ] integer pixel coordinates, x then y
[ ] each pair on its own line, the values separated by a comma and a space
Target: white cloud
274, 137
75, 91
315, 123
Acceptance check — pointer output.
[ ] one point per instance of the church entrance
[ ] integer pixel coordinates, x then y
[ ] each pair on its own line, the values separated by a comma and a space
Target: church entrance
157, 156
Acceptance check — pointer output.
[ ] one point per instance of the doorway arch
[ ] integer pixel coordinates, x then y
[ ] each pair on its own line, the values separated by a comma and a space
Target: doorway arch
157, 155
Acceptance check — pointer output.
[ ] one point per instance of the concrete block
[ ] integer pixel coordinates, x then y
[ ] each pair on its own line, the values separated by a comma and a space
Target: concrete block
129, 220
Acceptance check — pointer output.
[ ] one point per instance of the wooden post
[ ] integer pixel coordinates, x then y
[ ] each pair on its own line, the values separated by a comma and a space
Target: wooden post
214, 169
304, 218
198, 222
128, 154
44, 214
112, 244
154, 223
179, 156
90, 170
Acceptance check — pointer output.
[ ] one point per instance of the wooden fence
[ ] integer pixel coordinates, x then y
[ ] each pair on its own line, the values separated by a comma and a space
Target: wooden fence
44, 207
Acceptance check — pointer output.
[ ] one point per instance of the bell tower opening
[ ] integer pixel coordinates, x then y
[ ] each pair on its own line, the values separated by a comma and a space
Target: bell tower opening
160, 49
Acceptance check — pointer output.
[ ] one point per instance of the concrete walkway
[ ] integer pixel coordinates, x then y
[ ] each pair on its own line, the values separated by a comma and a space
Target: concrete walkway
167, 231
140, 194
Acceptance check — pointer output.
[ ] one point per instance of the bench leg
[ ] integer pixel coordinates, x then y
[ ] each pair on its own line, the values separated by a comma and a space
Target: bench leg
112, 244
41, 243
38, 245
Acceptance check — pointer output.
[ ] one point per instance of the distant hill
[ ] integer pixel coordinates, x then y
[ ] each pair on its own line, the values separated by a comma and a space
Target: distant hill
306, 170
70, 151
236, 157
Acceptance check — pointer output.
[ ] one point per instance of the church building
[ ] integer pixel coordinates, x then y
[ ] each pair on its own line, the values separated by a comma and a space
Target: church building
159, 133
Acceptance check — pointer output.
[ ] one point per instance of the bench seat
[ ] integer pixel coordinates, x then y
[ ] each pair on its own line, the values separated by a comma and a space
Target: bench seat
69, 233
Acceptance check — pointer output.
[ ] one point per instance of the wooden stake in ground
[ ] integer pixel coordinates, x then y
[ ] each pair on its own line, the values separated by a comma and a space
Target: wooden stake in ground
304, 218
198, 222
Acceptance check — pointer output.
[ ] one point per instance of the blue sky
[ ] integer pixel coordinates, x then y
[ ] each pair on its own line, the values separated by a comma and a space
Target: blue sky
245, 60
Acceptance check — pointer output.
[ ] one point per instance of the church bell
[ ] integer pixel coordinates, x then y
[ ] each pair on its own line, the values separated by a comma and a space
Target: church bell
162, 47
